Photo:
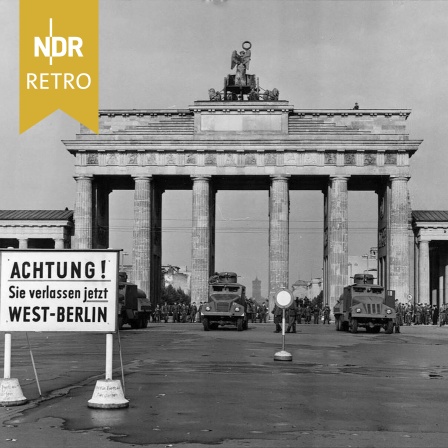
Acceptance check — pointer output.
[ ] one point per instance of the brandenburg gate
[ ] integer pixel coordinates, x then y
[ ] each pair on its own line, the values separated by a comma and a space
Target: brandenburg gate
247, 140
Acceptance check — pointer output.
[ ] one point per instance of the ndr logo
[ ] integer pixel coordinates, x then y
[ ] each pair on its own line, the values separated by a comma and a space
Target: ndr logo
56, 46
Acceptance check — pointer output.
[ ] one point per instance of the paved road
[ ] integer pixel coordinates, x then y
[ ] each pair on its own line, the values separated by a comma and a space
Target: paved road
190, 388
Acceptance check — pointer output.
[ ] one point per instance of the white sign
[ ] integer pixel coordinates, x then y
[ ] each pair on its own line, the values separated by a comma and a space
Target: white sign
284, 298
58, 290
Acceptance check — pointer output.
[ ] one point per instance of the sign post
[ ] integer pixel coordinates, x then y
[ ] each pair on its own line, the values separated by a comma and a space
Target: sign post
283, 299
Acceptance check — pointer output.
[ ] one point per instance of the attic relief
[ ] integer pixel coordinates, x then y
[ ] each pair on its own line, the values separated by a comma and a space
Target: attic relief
391, 159
349, 158
210, 159
151, 159
170, 160
132, 158
330, 158
369, 158
229, 159
290, 158
310, 159
92, 159
250, 159
270, 159
112, 159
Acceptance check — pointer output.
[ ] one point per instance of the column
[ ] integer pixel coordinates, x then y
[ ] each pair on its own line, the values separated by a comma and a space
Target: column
337, 238
399, 246
142, 233
200, 244
441, 272
59, 243
325, 285
156, 245
23, 243
412, 259
433, 273
445, 267
83, 213
212, 202
416, 272
278, 236
423, 272
383, 192
100, 201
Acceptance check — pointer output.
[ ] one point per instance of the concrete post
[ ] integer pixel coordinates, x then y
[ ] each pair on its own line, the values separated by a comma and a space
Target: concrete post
142, 233
337, 238
83, 213
23, 243
200, 244
399, 245
278, 237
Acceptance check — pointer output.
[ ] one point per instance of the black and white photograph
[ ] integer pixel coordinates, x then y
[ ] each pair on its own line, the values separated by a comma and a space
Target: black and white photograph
249, 245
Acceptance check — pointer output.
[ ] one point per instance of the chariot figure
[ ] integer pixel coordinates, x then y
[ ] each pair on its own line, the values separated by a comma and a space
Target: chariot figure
271, 95
214, 95
253, 94
241, 61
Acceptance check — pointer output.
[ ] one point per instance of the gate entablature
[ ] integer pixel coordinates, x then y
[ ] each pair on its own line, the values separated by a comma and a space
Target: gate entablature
195, 141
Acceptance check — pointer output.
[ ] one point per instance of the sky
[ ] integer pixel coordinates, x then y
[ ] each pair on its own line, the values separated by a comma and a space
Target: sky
318, 54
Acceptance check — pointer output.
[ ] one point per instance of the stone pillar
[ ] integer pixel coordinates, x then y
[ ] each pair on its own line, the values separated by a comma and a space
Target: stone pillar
423, 272
325, 285
445, 287
200, 244
441, 272
212, 201
156, 245
383, 233
416, 271
142, 233
83, 213
337, 238
278, 237
433, 273
100, 201
23, 243
59, 243
399, 245
411, 252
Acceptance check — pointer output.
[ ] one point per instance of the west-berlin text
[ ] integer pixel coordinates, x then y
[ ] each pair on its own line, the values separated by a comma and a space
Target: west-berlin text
59, 314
